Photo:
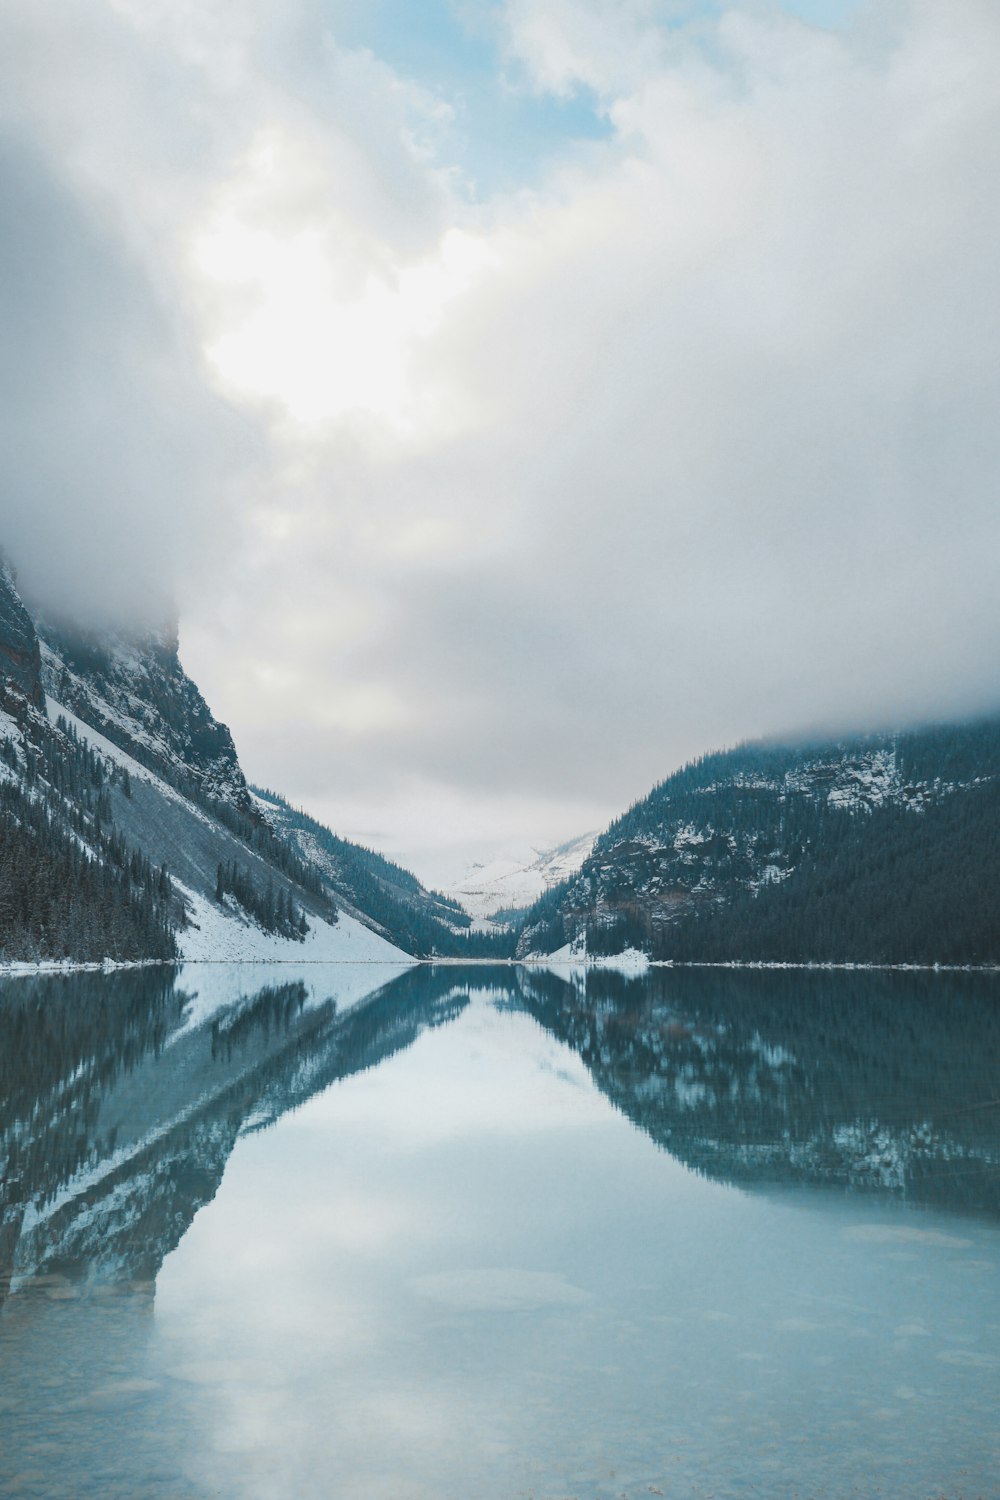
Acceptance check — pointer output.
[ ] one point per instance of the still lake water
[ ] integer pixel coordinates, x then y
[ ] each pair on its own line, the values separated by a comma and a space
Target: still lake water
457, 1233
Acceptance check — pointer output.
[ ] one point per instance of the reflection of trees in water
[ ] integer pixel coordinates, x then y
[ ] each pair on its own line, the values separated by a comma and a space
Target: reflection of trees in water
64, 1042
55, 1026
877, 1081
275, 1008
117, 1122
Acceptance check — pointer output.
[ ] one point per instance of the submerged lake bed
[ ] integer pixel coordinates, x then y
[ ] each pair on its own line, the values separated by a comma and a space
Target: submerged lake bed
499, 1232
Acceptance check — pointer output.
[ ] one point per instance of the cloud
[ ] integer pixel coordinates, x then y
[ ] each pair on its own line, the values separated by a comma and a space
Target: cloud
604, 45
136, 143
695, 441
114, 452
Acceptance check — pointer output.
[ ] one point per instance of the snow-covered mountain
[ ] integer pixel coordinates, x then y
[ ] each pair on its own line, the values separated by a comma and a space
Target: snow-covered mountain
132, 689
515, 879
127, 829
881, 848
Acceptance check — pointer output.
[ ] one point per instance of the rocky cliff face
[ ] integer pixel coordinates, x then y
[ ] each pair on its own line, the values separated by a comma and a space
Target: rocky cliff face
20, 657
134, 691
122, 799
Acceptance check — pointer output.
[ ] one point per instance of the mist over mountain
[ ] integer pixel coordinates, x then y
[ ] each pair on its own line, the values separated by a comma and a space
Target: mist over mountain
116, 457
130, 831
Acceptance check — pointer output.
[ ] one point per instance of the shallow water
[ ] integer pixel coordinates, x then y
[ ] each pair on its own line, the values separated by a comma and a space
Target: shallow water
492, 1233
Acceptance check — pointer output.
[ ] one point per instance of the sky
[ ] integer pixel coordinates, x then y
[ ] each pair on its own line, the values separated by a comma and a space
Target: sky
515, 398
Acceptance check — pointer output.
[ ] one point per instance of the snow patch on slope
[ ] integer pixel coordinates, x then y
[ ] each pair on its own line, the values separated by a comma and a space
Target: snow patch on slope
218, 936
517, 878
133, 724
631, 961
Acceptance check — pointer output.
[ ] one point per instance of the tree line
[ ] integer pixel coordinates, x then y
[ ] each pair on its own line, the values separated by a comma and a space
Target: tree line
272, 908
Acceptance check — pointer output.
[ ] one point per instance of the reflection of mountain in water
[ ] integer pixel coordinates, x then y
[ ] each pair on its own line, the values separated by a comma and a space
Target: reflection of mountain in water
119, 1109
882, 1082
117, 1118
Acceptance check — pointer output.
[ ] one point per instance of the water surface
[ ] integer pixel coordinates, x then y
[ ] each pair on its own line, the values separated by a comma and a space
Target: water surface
499, 1233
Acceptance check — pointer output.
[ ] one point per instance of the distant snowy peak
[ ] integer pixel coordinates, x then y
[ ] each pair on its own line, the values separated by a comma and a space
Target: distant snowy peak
516, 879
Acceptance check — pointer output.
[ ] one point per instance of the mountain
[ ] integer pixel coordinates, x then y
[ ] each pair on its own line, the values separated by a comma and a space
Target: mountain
379, 891
875, 849
512, 882
128, 830
70, 884
20, 654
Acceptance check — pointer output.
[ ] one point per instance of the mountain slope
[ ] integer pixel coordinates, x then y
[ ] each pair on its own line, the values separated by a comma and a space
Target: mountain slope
20, 654
879, 849
128, 831
70, 883
389, 897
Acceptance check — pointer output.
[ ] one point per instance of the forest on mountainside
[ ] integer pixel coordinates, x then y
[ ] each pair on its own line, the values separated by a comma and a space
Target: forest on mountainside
59, 901
889, 887
881, 849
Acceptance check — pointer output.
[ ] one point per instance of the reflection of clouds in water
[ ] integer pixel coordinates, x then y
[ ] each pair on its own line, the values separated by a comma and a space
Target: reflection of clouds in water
899, 1234
490, 1072
500, 1290
969, 1358
225, 1372
310, 1340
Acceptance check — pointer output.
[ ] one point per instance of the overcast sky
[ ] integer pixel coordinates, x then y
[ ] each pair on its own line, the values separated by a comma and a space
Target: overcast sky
517, 397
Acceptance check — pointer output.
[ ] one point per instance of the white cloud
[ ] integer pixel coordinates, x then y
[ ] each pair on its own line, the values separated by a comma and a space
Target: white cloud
605, 45
694, 442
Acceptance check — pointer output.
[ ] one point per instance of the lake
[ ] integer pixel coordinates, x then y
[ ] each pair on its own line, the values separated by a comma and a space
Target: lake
488, 1233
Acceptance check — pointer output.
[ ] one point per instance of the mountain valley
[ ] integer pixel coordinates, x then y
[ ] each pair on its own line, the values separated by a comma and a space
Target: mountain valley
128, 831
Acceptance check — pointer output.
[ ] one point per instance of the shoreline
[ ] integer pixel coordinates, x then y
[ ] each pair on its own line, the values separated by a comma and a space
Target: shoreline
19, 968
